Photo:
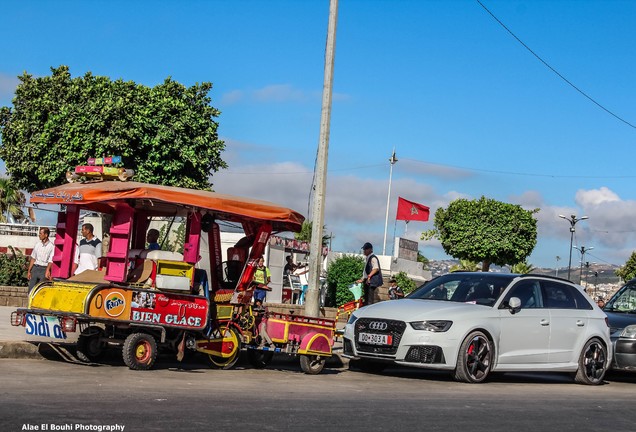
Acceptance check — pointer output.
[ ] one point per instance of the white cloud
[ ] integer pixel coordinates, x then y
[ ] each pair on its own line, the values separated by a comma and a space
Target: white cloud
595, 197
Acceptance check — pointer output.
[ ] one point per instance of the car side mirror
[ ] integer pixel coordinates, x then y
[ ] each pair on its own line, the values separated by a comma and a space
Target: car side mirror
514, 305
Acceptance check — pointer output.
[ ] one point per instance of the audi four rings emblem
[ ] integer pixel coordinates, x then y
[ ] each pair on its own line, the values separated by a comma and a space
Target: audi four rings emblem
378, 325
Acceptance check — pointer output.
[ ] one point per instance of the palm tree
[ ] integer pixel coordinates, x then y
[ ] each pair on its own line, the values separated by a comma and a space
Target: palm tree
466, 265
523, 267
11, 200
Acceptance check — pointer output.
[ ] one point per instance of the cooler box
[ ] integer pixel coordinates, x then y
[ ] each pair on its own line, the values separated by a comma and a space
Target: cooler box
174, 275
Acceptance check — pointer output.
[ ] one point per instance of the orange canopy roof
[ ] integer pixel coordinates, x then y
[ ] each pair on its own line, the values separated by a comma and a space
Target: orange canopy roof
102, 196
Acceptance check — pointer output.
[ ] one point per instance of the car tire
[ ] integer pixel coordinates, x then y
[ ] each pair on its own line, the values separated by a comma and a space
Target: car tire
475, 358
140, 351
592, 363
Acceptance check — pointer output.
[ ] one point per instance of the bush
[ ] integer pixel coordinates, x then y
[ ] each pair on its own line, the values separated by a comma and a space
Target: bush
404, 282
342, 272
13, 268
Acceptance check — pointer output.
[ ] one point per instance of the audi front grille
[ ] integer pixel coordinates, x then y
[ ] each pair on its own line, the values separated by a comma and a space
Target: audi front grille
393, 328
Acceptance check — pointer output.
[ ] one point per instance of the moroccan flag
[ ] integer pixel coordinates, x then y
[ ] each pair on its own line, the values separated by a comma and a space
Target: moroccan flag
411, 211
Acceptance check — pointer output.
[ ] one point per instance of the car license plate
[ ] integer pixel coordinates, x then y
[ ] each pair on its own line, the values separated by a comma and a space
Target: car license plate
375, 339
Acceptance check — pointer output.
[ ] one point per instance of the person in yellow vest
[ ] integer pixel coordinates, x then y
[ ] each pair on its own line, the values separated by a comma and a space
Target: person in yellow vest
262, 278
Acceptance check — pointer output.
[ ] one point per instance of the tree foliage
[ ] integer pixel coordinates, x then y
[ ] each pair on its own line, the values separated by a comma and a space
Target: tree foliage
465, 265
166, 133
404, 282
342, 272
628, 271
305, 233
11, 200
13, 268
486, 231
523, 267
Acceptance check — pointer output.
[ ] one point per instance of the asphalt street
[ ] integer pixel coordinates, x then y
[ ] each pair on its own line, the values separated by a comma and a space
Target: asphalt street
191, 397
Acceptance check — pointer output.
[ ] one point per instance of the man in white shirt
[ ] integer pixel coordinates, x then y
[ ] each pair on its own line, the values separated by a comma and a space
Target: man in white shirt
88, 252
41, 259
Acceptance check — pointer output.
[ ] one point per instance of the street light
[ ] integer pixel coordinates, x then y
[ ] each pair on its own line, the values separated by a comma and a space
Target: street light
573, 220
582, 250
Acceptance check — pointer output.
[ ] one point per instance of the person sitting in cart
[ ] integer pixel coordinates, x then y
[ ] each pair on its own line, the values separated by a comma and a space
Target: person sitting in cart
395, 292
262, 277
152, 238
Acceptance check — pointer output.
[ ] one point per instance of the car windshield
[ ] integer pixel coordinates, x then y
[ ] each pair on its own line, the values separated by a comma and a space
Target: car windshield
478, 288
623, 301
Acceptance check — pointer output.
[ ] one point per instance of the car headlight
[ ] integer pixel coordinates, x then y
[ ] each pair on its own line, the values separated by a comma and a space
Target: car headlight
353, 318
434, 326
629, 332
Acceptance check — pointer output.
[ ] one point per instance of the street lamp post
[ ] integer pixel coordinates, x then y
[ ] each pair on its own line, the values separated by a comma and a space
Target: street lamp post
573, 220
582, 250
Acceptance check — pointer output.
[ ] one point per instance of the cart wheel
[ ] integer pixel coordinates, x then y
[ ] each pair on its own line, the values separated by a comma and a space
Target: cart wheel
227, 362
312, 364
259, 358
90, 346
140, 351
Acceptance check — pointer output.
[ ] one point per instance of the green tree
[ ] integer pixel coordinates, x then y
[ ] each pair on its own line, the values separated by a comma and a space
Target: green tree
404, 282
465, 265
486, 231
343, 272
13, 268
523, 267
305, 233
628, 271
422, 259
166, 133
11, 200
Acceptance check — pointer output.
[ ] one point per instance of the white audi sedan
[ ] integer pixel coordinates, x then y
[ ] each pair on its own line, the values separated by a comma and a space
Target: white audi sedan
476, 323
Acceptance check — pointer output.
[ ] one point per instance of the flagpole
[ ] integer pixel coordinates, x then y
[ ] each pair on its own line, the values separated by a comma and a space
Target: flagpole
393, 160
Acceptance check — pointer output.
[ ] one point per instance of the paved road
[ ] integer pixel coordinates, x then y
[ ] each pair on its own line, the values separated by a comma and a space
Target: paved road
194, 398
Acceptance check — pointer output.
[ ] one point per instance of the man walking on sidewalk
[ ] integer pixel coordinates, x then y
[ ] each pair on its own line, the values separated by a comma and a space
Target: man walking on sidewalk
41, 259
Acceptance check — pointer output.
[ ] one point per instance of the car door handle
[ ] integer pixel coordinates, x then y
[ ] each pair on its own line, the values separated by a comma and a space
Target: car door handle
545, 322
580, 323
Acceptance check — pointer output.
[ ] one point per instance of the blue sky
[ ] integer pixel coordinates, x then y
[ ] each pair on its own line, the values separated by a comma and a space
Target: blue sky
468, 109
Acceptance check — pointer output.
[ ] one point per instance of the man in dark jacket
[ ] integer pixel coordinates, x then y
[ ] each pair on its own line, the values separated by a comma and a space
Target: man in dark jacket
371, 276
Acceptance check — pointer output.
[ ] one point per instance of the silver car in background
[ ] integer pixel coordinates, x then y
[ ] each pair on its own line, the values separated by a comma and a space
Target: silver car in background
476, 323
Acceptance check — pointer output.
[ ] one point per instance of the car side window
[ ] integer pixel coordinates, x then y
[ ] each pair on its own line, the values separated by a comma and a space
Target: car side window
580, 298
528, 291
558, 295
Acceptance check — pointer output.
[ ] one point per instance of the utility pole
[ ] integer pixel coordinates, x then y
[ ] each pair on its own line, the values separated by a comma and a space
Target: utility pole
393, 160
312, 304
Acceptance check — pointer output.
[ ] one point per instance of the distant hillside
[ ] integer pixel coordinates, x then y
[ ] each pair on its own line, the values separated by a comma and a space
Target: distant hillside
606, 273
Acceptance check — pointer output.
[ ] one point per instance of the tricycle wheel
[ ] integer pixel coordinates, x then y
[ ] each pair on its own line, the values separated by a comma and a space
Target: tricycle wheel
259, 358
90, 346
140, 351
312, 364
227, 362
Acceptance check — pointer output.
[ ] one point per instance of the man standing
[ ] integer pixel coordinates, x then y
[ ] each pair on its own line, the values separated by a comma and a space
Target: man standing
89, 251
372, 275
41, 259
